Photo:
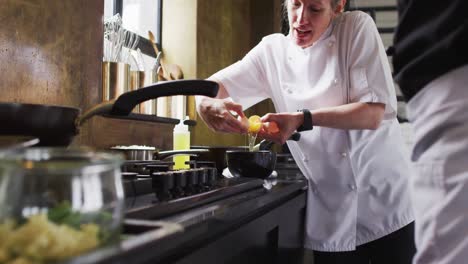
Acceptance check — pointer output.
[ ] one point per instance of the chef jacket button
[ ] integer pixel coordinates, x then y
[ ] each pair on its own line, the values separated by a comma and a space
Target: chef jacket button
330, 44
344, 154
352, 187
289, 58
289, 91
335, 81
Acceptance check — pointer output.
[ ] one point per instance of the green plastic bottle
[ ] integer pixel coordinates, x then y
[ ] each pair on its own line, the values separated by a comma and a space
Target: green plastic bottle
181, 138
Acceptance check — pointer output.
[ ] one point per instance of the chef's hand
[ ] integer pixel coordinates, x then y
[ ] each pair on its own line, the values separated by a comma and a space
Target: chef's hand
218, 114
287, 124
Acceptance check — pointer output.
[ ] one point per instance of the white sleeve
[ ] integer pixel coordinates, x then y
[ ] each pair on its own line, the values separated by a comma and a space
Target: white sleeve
369, 70
245, 80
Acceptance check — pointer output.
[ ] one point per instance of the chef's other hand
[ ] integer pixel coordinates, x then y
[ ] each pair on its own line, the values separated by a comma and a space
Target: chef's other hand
287, 124
218, 115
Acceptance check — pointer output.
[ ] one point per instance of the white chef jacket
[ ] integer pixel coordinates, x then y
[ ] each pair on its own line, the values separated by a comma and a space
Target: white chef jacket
358, 179
439, 115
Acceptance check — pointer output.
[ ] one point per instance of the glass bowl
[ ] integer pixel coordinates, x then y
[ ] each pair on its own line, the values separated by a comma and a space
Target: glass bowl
57, 203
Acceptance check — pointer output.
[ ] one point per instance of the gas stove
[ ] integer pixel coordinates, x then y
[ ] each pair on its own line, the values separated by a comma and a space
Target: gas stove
153, 190
169, 213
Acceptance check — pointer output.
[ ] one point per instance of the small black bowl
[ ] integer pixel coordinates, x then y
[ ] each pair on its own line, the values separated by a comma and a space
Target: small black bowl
252, 164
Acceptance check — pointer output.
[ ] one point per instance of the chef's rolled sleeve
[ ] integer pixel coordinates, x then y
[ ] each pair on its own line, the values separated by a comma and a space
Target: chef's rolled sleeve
369, 72
245, 80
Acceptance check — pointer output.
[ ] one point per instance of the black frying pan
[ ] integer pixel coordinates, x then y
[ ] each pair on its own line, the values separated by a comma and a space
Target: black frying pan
218, 153
57, 125
251, 164
259, 163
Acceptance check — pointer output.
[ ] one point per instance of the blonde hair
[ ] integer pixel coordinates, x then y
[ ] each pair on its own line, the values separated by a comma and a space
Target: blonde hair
333, 3
285, 20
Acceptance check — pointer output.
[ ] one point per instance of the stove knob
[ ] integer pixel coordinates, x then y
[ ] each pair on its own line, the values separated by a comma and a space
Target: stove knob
202, 176
192, 182
212, 176
193, 177
180, 181
163, 183
203, 180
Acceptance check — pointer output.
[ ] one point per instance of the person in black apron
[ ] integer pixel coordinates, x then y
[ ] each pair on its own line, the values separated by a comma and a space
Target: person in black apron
431, 66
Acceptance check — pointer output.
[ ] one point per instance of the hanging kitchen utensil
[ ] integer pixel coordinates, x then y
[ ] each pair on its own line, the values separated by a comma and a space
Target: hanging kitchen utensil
175, 72
168, 71
57, 125
156, 51
157, 62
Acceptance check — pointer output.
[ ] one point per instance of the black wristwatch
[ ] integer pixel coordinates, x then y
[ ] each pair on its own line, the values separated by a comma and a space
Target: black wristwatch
307, 123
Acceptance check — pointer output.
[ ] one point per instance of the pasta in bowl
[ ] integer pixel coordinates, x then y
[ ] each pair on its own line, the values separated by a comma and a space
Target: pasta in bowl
58, 203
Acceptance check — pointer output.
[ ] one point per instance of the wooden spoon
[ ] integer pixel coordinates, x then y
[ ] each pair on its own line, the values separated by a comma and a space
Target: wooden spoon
175, 72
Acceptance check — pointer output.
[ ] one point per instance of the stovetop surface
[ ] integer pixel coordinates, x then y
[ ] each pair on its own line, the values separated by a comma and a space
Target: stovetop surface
154, 191
149, 207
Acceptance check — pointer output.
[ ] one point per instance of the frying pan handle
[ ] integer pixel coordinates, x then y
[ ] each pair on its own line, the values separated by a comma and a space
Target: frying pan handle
100, 109
127, 101
124, 104
26, 143
169, 153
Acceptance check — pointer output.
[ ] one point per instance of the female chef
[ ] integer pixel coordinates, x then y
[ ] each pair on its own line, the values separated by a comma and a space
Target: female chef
330, 78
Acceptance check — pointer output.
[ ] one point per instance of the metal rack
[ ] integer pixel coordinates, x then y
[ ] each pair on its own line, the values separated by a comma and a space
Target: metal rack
144, 44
